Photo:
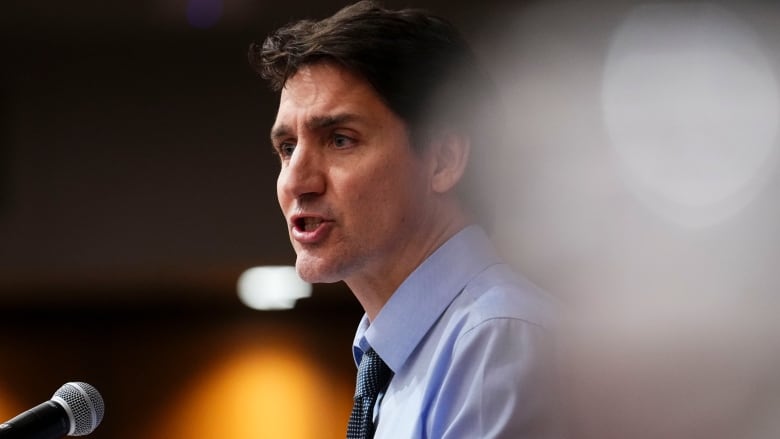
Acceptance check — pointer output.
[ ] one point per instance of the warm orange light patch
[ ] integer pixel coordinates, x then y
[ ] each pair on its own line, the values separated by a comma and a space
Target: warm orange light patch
8, 407
259, 392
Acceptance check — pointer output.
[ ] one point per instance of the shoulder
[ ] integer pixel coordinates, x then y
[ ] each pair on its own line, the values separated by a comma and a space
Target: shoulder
498, 368
499, 295
499, 316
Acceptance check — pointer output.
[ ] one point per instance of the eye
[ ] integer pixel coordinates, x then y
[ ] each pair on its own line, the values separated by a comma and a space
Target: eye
285, 149
341, 141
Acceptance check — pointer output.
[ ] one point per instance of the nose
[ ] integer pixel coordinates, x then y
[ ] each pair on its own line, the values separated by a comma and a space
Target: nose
303, 174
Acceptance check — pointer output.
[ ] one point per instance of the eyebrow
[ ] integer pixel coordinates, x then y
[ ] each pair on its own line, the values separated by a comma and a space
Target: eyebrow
315, 123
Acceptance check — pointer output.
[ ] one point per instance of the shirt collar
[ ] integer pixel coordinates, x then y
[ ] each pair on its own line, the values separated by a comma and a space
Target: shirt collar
423, 297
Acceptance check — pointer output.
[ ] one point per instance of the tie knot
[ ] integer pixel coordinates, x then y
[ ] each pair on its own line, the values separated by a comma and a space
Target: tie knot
373, 375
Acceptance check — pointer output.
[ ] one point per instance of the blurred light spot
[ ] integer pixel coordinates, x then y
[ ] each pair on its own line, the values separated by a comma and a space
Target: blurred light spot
261, 390
272, 287
204, 14
8, 406
691, 106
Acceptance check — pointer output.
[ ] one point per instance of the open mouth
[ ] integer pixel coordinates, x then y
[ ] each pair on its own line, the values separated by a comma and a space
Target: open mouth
307, 224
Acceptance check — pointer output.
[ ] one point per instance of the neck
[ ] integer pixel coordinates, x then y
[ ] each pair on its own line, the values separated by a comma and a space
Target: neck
374, 287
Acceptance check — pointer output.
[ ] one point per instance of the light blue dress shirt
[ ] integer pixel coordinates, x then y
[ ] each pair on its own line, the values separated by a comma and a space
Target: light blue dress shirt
469, 343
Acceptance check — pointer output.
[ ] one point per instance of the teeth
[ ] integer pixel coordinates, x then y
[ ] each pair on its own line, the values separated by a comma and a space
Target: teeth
310, 224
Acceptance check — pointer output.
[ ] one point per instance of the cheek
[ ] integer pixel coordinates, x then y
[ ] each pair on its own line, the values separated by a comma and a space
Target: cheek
362, 193
381, 190
280, 194
394, 190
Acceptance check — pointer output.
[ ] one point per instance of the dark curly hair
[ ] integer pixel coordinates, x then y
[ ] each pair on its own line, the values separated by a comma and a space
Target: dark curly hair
418, 63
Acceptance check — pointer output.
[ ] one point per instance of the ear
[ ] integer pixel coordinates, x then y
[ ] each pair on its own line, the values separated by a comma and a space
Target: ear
449, 154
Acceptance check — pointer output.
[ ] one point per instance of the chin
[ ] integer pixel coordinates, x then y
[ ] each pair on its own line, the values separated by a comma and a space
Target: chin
316, 272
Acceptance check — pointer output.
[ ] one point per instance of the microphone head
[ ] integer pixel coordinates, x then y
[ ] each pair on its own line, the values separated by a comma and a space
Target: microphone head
84, 406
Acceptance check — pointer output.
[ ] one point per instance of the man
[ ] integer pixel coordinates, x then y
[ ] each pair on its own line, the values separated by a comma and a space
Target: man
375, 131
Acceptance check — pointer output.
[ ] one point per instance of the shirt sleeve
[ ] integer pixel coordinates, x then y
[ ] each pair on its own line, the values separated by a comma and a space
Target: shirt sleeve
499, 384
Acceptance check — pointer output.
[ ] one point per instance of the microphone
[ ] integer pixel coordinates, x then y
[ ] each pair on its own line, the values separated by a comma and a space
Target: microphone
76, 409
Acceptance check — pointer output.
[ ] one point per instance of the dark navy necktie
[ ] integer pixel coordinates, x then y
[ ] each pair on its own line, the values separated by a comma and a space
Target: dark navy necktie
373, 376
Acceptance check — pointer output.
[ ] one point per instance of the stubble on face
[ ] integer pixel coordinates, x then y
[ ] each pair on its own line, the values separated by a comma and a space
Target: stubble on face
372, 192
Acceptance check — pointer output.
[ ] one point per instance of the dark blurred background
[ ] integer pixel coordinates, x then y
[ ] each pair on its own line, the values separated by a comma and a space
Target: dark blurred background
137, 184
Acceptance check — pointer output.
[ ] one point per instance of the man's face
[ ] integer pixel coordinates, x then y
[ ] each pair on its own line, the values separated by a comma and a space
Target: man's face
353, 191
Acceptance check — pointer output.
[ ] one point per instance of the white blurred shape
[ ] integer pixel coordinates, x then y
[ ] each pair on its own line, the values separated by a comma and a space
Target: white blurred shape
272, 287
690, 102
